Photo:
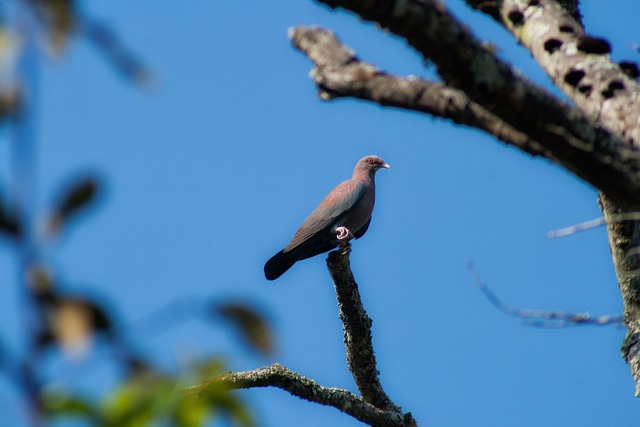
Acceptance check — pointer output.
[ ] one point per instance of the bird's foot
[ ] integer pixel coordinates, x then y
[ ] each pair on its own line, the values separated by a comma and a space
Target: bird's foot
344, 233
345, 247
343, 236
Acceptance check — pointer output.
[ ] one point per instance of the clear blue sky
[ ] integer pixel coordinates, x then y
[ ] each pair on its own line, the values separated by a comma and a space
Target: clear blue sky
211, 169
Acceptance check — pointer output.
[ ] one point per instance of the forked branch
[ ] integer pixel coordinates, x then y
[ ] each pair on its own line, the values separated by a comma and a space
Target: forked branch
281, 377
373, 406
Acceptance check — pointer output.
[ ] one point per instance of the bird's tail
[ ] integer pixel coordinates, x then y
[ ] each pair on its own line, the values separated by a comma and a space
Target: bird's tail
278, 264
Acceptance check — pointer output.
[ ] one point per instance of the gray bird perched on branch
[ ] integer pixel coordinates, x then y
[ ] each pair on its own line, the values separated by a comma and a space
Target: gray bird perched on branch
344, 214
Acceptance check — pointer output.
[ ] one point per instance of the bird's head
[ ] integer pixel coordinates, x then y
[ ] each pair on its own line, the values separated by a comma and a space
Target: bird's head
370, 164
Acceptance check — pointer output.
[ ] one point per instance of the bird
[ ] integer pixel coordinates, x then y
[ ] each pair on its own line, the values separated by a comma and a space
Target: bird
345, 213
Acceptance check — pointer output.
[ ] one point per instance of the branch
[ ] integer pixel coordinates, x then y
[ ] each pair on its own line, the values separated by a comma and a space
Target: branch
584, 148
279, 376
361, 359
541, 318
593, 223
339, 73
623, 241
374, 407
577, 63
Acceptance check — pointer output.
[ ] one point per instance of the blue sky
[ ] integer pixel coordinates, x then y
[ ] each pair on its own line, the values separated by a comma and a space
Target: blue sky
211, 169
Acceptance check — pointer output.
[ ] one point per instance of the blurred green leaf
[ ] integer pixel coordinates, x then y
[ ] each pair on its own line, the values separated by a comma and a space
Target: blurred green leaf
229, 406
208, 368
191, 412
58, 403
251, 324
151, 399
216, 396
133, 404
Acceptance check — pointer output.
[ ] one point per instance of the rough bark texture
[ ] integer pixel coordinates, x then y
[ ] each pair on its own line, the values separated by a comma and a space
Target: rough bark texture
279, 376
580, 65
373, 406
339, 73
623, 241
586, 149
361, 358
598, 140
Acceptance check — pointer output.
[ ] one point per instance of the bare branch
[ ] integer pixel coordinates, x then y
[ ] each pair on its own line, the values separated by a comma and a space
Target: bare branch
593, 223
361, 359
339, 73
578, 63
623, 241
573, 229
541, 318
579, 145
373, 407
279, 376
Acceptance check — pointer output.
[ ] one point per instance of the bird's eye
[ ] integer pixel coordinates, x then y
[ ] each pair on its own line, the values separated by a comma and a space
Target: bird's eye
370, 160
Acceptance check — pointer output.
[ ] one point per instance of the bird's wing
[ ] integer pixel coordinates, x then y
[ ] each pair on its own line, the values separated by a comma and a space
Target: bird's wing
358, 234
337, 203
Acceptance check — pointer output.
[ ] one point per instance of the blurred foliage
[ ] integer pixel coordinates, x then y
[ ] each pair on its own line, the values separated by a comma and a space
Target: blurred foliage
63, 19
151, 398
250, 324
70, 324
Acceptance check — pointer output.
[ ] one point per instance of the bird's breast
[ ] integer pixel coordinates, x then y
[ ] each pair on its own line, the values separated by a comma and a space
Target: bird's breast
360, 213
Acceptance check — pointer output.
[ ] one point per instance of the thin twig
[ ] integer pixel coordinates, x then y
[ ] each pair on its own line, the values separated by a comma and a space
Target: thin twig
593, 223
542, 318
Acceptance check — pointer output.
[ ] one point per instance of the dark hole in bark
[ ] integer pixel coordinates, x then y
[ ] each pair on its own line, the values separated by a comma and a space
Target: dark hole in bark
573, 77
616, 85
610, 91
566, 28
534, 2
588, 44
516, 17
630, 69
552, 45
585, 89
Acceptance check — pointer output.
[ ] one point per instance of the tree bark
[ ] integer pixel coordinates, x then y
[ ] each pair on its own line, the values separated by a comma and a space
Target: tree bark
586, 148
599, 140
373, 406
279, 376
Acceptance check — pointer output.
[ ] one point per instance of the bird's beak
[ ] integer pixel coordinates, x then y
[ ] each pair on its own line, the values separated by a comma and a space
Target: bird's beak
386, 166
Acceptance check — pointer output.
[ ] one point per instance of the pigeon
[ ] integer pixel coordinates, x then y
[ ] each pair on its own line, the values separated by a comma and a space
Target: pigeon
344, 214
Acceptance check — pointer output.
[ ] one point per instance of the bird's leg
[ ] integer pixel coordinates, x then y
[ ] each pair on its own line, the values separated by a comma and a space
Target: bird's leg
344, 233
